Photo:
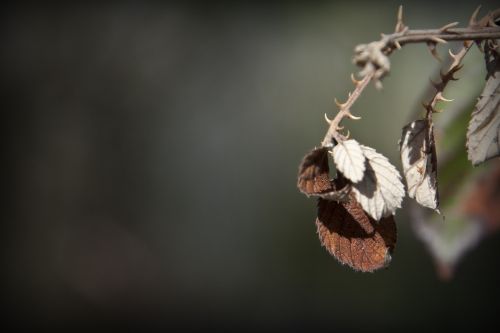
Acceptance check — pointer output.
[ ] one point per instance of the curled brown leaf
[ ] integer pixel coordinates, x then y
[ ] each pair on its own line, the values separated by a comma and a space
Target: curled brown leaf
353, 237
314, 175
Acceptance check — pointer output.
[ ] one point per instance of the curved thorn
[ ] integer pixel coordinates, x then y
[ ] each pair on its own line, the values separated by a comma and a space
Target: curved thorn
349, 94
340, 128
353, 79
398, 46
340, 105
353, 117
433, 50
472, 20
453, 56
348, 134
442, 98
328, 120
448, 26
437, 40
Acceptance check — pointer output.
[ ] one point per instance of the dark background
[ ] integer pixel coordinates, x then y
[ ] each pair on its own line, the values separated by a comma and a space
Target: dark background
151, 154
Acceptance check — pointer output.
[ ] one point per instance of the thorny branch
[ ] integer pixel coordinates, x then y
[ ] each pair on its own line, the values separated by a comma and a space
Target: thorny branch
374, 59
345, 111
445, 78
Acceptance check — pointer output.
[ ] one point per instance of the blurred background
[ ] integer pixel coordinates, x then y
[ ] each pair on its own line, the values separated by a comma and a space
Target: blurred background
151, 155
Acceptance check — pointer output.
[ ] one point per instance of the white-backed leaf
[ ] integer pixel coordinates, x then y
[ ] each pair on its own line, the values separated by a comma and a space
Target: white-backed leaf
418, 157
349, 160
484, 128
381, 191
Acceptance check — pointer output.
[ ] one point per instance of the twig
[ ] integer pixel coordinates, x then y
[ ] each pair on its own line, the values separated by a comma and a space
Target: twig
446, 77
345, 111
438, 35
373, 58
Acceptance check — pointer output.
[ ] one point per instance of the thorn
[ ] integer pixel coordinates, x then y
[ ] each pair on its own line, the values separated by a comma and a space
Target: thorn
448, 26
400, 13
353, 79
398, 46
440, 97
453, 56
472, 20
399, 22
340, 105
340, 128
491, 22
328, 120
353, 117
348, 134
437, 40
433, 50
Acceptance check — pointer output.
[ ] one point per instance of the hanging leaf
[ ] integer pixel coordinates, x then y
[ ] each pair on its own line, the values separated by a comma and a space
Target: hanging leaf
447, 241
484, 127
349, 160
482, 203
472, 213
314, 175
353, 237
381, 191
418, 157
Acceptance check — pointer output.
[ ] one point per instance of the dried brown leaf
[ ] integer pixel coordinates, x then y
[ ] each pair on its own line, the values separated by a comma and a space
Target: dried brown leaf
484, 128
353, 237
418, 157
314, 175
